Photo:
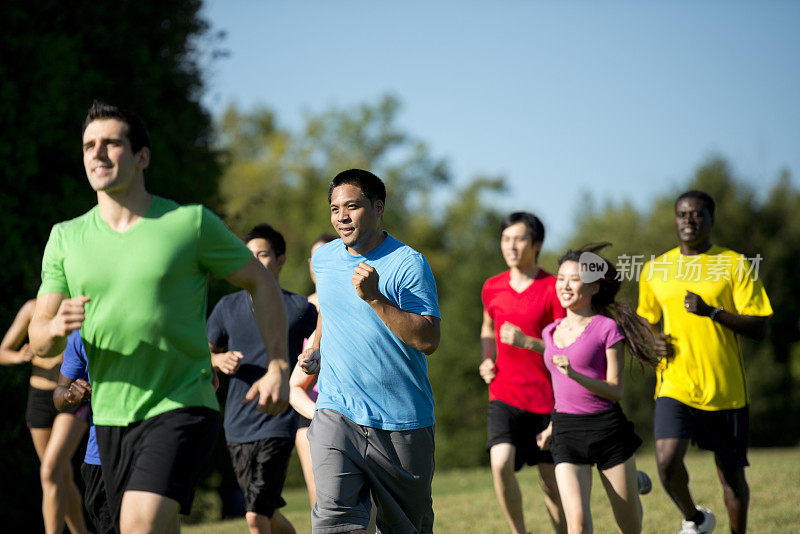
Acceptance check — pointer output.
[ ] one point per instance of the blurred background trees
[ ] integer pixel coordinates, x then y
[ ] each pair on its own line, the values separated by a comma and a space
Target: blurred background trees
57, 57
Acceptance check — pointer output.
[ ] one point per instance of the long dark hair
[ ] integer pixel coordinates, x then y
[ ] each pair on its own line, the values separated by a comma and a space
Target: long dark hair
638, 337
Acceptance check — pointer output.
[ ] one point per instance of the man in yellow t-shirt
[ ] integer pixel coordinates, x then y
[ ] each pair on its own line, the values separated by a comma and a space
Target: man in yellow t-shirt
706, 296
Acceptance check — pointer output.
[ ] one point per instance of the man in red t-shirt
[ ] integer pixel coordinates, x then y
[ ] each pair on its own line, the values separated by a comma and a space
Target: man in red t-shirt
517, 305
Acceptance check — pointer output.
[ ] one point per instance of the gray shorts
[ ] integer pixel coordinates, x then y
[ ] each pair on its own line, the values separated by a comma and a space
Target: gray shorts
351, 461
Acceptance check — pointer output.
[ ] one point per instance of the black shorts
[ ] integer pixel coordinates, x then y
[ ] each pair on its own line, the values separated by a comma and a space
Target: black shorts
260, 468
95, 500
165, 454
725, 432
508, 424
41, 412
302, 422
604, 438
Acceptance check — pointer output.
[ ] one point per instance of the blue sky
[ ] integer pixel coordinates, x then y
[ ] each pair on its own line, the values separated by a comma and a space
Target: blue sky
620, 100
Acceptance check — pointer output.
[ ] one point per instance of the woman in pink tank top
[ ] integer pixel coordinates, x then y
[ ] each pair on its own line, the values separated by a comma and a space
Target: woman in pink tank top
585, 354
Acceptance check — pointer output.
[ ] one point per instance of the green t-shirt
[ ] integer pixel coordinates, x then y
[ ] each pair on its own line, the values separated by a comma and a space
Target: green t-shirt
145, 328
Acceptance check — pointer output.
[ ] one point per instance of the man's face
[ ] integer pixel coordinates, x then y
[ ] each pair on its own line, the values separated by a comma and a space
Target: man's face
354, 217
517, 247
693, 222
108, 158
262, 250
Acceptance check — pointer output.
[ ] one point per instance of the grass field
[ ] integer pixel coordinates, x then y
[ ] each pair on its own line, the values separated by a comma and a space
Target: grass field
464, 501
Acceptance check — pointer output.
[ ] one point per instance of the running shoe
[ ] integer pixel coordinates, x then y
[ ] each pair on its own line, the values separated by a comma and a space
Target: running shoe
704, 527
644, 482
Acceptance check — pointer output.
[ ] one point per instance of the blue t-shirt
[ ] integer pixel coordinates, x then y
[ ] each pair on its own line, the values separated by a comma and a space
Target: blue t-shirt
367, 373
232, 326
75, 366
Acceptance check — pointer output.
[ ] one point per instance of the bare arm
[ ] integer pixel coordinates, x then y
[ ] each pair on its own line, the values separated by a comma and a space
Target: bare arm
421, 332
746, 325
70, 393
299, 383
12, 349
270, 315
662, 343
487, 368
611, 388
55, 317
511, 334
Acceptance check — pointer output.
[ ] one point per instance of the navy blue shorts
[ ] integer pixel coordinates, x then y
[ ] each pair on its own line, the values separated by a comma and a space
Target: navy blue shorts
261, 468
725, 432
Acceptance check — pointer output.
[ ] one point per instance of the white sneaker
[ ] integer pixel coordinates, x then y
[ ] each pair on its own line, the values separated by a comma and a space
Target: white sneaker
706, 527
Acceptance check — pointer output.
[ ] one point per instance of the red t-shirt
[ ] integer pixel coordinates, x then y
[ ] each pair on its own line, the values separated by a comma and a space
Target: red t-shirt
522, 379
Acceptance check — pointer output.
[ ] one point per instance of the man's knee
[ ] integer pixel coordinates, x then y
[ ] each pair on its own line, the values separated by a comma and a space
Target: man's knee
255, 521
547, 480
501, 459
733, 481
669, 458
148, 512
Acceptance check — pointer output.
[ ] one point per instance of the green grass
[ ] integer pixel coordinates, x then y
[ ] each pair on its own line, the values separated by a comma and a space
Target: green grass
464, 501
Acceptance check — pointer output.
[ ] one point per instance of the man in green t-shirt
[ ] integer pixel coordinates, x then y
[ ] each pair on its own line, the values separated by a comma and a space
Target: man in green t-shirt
131, 275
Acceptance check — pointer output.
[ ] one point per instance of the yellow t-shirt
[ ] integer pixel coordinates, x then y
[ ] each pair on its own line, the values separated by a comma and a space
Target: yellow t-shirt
707, 370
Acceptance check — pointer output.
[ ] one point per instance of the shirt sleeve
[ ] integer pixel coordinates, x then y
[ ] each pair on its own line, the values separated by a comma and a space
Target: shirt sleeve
614, 334
749, 295
418, 288
215, 327
74, 365
219, 251
309, 320
54, 279
649, 307
485, 299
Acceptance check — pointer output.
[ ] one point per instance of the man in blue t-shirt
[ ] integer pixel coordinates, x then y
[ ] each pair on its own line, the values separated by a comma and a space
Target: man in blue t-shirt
74, 391
260, 445
372, 432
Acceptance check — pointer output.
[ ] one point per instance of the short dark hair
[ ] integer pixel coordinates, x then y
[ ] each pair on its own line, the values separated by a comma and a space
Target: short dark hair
708, 202
274, 237
371, 186
535, 226
137, 133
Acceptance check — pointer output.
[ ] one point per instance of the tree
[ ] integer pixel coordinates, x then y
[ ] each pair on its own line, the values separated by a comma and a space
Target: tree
56, 57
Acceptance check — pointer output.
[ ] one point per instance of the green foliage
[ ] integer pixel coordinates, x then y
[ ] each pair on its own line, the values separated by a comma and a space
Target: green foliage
56, 56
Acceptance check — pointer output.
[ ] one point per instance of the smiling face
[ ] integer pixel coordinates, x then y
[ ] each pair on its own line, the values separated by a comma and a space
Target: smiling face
356, 219
693, 223
109, 160
518, 249
572, 292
